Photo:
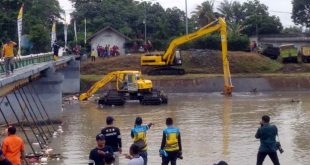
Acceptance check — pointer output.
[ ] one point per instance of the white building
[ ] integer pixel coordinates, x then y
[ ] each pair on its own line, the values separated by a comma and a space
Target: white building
109, 36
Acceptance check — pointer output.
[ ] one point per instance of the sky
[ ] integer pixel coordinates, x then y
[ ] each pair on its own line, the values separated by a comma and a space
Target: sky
281, 8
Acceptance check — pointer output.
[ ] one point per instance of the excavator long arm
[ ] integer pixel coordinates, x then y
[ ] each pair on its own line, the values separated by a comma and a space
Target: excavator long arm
210, 28
99, 84
167, 59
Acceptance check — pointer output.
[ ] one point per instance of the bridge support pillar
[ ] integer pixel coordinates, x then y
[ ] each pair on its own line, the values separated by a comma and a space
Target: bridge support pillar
49, 88
71, 83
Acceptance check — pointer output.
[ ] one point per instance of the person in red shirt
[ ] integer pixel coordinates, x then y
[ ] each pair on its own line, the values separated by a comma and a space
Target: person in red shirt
13, 147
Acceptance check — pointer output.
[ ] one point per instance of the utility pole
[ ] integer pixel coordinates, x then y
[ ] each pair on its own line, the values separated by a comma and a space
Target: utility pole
144, 21
186, 19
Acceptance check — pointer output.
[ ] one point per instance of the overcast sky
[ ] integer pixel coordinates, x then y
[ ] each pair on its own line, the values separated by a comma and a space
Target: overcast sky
281, 8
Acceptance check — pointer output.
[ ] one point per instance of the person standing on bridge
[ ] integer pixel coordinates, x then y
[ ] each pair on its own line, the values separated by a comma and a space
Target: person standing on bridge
138, 133
56, 50
113, 138
268, 146
8, 54
13, 147
171, 146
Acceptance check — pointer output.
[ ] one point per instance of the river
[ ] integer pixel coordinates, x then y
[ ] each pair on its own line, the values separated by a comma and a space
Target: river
213, 127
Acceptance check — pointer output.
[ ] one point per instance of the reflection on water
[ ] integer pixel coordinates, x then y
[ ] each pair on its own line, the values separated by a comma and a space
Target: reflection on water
213, 127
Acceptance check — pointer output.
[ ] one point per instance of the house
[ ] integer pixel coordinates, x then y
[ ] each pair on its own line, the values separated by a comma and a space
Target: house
109, 36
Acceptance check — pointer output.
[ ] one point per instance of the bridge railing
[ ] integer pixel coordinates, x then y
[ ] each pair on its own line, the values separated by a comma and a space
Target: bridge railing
23, 61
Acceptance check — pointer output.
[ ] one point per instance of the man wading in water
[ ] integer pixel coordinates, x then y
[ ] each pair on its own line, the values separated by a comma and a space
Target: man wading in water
98, 154
171, 146
267, 134
113, 138
138, 133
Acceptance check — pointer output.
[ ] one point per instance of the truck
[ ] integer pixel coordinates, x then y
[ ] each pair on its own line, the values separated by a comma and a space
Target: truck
288, 53
305, 53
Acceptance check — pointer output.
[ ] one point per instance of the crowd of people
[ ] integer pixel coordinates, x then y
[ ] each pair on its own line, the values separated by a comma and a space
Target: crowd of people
107, 51
109, 145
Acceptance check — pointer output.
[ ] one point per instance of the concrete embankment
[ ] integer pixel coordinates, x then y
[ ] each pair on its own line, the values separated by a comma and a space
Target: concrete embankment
214, 83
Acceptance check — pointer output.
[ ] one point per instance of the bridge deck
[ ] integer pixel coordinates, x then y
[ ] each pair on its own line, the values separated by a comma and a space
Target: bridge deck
25, 74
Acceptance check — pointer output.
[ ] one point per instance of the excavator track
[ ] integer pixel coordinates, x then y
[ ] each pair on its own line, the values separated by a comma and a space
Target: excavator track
112, 98
154, 98
166, 71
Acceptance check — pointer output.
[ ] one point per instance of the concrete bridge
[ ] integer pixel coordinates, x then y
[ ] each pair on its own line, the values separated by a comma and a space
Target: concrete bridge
37, 84
276, 40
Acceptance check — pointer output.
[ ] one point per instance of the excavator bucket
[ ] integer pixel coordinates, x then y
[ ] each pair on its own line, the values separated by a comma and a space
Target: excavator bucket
228, 90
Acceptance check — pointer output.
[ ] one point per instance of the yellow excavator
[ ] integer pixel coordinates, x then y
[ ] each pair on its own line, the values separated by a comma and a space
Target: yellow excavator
129, 85
162, 64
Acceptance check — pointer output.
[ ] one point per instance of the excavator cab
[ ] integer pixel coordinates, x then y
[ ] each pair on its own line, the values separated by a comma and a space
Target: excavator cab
177, 58
128, 82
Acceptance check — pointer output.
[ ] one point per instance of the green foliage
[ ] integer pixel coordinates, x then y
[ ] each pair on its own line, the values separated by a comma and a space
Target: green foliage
213, 42
37, 21
292, 30
128, 17
248, 18
301, 12
204, 13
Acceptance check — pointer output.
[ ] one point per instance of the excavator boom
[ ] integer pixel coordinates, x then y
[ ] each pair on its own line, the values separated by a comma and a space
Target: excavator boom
164, 61
100, 84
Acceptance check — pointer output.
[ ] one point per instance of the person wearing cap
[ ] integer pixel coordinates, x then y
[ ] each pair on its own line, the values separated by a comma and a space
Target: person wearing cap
138, 133
98, 154
13, 147
3, 160
171, 144
113, 138
221, 163
8, 54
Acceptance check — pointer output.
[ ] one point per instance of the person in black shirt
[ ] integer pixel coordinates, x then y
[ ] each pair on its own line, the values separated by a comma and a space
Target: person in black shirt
113, 138
98, 154
3, 160
55, 50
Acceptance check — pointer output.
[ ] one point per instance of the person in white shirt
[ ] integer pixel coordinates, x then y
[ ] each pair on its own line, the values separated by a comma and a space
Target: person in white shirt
135, 158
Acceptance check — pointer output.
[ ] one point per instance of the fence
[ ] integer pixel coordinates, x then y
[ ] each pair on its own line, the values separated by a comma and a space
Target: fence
23, 61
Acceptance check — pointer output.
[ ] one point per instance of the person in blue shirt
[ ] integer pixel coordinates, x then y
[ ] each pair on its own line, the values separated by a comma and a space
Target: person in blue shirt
171, 144
98, 154
267, 134
138, 134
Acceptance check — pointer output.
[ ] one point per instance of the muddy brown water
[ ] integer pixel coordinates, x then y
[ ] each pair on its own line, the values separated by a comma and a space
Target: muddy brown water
213, 127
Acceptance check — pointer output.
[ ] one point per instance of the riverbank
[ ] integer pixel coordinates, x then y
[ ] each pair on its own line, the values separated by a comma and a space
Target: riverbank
214, 82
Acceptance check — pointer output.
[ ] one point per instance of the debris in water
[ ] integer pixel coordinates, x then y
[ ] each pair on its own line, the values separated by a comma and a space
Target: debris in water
295, 101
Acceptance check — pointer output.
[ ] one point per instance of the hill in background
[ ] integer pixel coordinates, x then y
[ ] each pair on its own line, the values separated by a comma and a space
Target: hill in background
198, 62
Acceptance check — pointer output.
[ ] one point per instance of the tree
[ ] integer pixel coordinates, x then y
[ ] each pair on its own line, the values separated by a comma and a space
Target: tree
258, 21
292, 30
301, 12
37, 21
204, 13
128, 17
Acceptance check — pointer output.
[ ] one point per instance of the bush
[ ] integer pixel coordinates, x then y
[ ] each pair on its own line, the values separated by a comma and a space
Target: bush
213, 42
238, 43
